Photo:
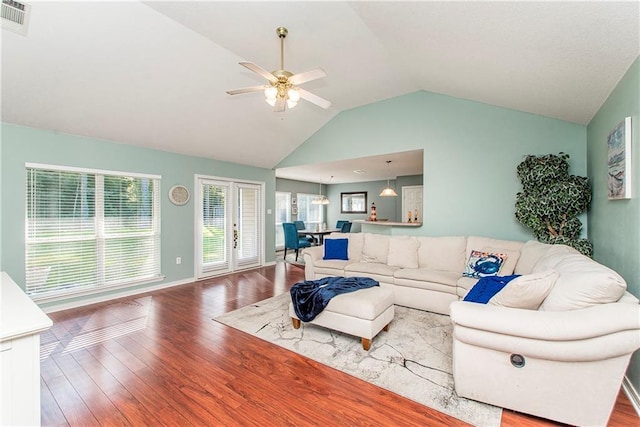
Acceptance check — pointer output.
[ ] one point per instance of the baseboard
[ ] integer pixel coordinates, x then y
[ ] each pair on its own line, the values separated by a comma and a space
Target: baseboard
632, 394
115, 295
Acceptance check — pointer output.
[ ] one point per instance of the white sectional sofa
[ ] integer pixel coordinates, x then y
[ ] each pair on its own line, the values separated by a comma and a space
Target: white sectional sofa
562, 358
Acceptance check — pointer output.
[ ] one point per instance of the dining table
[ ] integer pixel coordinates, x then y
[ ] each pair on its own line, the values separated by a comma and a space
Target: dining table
320, 233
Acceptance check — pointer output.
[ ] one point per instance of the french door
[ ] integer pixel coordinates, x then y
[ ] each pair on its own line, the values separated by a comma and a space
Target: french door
229, 226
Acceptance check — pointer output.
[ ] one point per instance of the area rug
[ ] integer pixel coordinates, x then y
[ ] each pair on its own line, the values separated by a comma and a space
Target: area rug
412, 359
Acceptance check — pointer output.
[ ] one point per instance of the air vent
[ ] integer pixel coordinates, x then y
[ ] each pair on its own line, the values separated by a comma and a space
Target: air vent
15, 16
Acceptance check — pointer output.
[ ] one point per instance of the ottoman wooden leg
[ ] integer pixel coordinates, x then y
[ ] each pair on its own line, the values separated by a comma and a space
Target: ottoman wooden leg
386, 328
296, 323
366, 344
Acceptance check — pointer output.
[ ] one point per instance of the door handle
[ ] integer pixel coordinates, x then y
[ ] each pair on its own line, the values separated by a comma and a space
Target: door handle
235, 237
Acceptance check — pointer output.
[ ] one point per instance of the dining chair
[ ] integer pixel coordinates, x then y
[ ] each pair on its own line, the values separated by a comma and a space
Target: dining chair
291, 239
339, 223
346, 227
300, 225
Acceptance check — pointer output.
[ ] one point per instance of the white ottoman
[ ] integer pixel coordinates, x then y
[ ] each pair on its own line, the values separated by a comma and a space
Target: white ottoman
362, 313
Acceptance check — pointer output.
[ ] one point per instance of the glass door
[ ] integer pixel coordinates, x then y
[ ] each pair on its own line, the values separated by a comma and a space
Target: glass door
228, 227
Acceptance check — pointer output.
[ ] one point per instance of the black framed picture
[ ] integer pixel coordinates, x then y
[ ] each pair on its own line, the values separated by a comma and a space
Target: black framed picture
354, 202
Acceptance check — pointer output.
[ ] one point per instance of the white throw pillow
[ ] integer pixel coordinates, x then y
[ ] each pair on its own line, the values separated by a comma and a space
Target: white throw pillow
526, 291
403, 253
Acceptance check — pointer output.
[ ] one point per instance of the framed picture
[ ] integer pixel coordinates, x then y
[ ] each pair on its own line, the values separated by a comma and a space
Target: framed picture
294, 201
355, 202
294, 210
619, 161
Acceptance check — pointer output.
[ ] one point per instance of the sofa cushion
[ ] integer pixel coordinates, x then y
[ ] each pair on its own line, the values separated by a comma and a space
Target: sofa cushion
509, 264
426, 275
403, 253
463, 284
368, 268
526, 291
376, 248
442, 253
582, 283
475, 243
356, 242
532, 251
483, 264
336, 249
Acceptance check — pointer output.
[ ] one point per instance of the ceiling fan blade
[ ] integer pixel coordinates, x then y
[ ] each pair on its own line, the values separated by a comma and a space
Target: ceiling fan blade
246, 90
307, 76
259, 70
314, 99
280, 105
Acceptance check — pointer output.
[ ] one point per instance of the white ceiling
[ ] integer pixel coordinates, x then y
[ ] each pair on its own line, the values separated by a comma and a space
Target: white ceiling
154, 74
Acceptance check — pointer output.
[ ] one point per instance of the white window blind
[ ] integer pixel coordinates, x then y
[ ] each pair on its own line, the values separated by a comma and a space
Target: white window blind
312, 215
248, 225
214, 230
87, 230
282, 214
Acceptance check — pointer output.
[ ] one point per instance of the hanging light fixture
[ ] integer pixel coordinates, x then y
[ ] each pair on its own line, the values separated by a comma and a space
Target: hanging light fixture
321, 200
388, 191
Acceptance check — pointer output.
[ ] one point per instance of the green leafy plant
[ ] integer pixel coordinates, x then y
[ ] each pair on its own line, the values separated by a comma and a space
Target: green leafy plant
551, 200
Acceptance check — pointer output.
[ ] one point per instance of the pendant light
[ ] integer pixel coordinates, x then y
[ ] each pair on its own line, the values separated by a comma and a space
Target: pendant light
321, 200
388, 191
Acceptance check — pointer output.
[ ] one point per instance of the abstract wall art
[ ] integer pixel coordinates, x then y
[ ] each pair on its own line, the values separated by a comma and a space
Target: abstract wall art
619, 161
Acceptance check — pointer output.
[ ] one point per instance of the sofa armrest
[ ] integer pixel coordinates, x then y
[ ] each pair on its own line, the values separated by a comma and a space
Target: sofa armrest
593, 333
310, 255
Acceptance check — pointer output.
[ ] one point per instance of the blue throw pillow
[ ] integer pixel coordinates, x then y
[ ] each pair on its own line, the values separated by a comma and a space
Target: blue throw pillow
336, 249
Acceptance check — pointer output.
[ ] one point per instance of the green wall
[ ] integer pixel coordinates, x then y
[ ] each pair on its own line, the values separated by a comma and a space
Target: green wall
471, 151
614, 226
23, 144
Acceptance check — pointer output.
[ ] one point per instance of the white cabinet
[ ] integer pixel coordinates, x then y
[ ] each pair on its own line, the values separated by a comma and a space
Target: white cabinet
21, 322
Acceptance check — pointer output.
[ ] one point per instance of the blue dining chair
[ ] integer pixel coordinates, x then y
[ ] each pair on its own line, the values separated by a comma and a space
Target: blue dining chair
300, 225
346, 227
291, 239
339, 223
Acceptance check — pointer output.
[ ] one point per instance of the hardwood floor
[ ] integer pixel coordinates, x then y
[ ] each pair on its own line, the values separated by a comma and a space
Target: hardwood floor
160, 359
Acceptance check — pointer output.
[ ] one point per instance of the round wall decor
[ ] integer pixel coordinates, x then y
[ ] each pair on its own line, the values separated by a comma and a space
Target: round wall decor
179, 195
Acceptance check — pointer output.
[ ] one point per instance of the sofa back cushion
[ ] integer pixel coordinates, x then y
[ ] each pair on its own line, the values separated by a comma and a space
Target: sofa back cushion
532, 251
403, 252
376, 248
442, 253
356, 242
582, 282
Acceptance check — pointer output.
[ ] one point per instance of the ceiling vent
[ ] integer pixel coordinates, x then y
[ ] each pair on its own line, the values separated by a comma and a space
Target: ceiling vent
15, 16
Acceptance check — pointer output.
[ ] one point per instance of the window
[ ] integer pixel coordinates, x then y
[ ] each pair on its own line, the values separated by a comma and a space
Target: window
88, 230
312, 215
283, 214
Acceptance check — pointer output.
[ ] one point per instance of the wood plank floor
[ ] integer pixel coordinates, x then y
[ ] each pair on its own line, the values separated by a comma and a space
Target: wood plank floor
160, 359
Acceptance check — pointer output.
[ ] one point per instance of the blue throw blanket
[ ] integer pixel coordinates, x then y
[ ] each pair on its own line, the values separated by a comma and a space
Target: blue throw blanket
487, 287
312, 296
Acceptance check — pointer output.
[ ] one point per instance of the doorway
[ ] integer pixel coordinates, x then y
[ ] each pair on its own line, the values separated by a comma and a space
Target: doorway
229, 226
412, 201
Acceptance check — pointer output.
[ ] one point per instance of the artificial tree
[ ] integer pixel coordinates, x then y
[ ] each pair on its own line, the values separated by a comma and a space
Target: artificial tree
551, 200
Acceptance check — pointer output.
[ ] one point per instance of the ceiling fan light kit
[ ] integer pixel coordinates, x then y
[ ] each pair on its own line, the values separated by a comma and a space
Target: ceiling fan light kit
282, 91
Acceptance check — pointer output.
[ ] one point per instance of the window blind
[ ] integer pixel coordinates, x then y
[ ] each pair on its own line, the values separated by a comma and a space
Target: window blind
282, 214
214, 230
87, 230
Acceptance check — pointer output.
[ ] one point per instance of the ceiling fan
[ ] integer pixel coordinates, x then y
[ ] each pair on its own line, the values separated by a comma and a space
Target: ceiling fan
282, 91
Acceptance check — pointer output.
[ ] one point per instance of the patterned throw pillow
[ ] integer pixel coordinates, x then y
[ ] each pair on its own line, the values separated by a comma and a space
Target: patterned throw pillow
483, 264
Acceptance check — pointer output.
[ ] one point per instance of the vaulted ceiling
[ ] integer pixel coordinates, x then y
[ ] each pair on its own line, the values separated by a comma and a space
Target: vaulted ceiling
154, 74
